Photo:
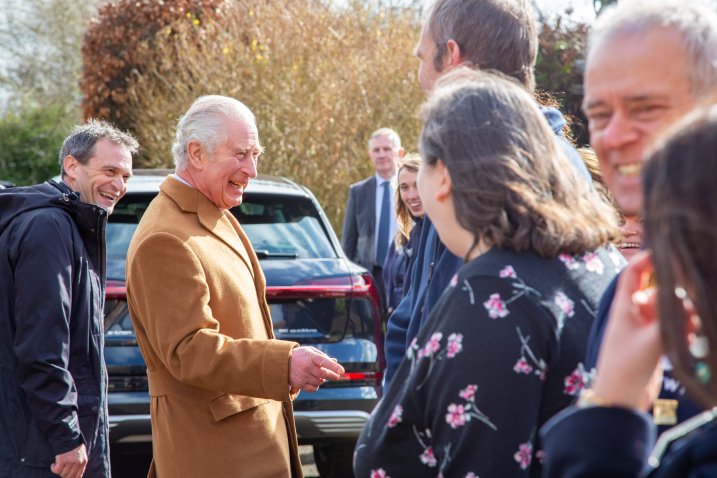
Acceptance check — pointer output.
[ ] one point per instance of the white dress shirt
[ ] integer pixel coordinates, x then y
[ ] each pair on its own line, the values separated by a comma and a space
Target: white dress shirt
393, 227
176, 176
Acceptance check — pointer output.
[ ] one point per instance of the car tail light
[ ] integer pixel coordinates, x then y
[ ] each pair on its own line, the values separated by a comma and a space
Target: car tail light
362, 376
334, 287
364, 285
115, 289
346, 286
368, 378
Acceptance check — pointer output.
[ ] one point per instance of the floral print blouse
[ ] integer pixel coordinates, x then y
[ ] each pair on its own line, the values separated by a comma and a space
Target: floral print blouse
500, 354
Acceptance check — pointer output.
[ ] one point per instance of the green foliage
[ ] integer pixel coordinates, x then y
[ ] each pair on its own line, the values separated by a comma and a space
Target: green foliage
30, 143
40, 65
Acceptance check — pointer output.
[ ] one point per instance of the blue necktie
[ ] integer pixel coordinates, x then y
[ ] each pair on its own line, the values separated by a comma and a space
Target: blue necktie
384, 225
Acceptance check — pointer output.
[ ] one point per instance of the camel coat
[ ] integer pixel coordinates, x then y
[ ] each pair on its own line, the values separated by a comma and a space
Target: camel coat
218, 379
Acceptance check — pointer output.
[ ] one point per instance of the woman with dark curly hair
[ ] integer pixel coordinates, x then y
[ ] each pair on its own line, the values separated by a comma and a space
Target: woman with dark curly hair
502, 350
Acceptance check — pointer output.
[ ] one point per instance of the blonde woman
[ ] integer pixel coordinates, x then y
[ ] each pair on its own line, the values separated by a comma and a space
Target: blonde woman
409, 218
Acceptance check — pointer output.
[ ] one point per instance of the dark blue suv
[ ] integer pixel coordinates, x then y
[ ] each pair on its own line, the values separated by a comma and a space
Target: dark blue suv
316, 295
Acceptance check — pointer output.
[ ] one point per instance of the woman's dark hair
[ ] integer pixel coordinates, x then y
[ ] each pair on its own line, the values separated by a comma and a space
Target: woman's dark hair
404, 219
680, 187
512, 185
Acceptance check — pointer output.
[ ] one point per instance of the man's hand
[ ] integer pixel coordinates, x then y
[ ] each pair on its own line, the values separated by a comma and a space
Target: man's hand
71, 464
310, 367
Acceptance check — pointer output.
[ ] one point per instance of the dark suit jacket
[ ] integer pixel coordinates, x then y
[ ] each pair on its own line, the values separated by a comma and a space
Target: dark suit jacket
359, 231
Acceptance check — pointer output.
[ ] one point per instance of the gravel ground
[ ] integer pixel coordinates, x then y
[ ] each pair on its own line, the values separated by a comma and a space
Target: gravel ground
306, 453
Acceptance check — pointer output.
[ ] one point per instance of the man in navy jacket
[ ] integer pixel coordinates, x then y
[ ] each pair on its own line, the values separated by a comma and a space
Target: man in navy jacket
489, 34
53, 407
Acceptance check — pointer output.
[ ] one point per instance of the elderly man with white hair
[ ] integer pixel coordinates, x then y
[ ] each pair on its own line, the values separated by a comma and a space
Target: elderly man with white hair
221, 385
649, 64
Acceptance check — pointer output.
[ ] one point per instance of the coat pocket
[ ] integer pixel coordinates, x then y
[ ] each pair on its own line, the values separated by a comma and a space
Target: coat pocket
227, 405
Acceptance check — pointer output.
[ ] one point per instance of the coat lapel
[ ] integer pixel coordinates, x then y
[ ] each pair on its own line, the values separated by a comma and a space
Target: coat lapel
209, 215
217, 223
259, 279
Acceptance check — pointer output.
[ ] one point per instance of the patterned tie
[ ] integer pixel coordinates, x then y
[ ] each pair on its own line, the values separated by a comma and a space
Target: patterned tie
384, 225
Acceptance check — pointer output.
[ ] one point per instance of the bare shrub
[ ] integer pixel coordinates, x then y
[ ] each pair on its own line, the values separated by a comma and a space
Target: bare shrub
112, 45
319, 79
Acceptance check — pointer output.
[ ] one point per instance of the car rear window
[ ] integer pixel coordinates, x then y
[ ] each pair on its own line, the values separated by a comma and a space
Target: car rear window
307, 321
280, 226
314, 321
284, 225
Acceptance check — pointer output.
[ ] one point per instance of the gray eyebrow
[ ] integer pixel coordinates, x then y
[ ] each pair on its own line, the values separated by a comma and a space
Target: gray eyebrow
625, 99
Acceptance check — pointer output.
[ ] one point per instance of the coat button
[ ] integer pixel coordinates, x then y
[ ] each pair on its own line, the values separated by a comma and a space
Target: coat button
94, 409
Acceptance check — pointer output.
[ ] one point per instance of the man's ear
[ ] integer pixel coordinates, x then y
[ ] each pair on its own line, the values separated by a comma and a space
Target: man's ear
453, 55
445, 185
195, 153
401, 152
70, 166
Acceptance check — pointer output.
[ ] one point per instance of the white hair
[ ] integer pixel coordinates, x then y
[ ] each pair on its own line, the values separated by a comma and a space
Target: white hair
387, 133
696, 24
205, 122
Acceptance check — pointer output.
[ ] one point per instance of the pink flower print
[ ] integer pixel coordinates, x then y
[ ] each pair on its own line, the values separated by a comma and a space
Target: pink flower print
395, 417
569, 262
540, 455
456, 415
575, 382
434, 344
565, 304
522, 366
454, 345
508, 271
471, 475
420, 354
543, 373
593, 263
454, 281
496, 308
524, 455
427, 457
380, 473
469, 392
